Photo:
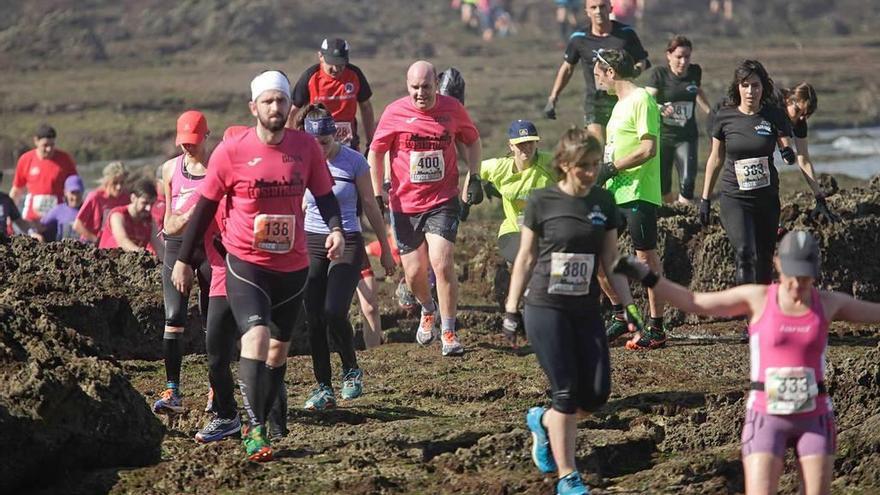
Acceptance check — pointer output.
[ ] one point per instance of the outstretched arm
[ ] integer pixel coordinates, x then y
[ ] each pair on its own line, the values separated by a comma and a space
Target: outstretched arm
839, 306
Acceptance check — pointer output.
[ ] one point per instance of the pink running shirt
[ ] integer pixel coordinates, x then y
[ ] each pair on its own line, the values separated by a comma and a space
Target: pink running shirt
266, 184
424, 165
182, 187
139, 231
97, 205
781, 341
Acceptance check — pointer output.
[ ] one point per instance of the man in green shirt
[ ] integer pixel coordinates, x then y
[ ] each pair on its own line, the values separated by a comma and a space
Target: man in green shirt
631, 171
514, 177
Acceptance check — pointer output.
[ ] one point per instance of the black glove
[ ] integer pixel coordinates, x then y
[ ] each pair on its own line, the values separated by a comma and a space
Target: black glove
705, 212
511, 326
465, 212
550, 110
381, 202
491, 191
633, 317
606, 171
822, 213
386, 186
635, 270
788, 155
474, 190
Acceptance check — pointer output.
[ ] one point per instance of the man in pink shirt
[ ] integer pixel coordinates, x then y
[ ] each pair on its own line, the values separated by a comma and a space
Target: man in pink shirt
42, 172
420, 132
263, 173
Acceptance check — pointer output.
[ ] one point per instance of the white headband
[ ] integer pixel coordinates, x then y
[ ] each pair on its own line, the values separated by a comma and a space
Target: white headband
269, 80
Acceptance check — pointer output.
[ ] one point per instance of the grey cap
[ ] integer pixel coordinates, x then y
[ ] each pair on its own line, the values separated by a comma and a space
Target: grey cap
799, 254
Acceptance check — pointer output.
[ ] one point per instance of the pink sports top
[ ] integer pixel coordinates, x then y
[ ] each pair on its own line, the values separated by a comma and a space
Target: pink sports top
788, 360
183, 185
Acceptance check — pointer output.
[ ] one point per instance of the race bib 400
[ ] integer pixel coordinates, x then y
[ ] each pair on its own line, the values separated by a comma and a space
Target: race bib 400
570, 273
426, 166
274, 233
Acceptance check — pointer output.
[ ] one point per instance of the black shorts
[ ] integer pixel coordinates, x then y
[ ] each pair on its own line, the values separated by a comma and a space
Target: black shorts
259, 296
508, 245
410, 230
572, 349
641, 223
597, 110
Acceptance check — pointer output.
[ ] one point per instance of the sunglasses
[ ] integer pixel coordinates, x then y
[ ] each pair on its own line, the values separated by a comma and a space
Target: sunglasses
597, 55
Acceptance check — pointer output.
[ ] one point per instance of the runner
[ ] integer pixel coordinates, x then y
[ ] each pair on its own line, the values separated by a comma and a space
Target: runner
569, 229
515, 177
676, 87
181, 176
332, 283
632, 173
746, 131
342, 88
9, 214
130, 226
98, 203
57, 224
800, 102
602, 33
420, 132
41, 171
788, 338
264, 172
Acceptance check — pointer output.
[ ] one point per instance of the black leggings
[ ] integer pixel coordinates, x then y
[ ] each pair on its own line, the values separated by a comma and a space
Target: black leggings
683, 156
573, 351
261, 296
751, 226
330, 290
175, 301
220, 345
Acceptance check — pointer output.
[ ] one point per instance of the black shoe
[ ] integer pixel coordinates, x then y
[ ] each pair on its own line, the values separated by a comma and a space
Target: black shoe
277, 419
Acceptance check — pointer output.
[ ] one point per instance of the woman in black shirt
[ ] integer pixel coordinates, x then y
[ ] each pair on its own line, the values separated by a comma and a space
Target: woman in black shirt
568, 229
745, 135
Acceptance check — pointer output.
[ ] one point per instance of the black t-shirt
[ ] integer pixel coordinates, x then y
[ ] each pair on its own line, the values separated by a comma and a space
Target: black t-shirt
681, 93
800, 129
749, 140
583, 43
571, 232
8, 210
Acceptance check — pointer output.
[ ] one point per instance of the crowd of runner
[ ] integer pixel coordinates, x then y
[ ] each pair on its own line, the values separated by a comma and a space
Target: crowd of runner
269, 224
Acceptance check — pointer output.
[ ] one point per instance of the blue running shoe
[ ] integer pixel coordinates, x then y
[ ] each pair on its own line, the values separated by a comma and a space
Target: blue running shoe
218, 429
170, 402
322, 398
571, 484
541, 453
352, 384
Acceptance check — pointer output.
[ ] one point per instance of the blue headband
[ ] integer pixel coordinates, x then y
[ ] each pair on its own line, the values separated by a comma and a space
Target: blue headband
324, 126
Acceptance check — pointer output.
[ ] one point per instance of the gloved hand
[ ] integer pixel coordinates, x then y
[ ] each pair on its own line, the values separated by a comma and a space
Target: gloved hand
821, 212
705, 212
381, 202
474, 190
550, 110
633, 318
491, 191
607, 170
465, 212
511, 326
788, 155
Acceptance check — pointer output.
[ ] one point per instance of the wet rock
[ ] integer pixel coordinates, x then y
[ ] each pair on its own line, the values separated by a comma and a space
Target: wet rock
63, 404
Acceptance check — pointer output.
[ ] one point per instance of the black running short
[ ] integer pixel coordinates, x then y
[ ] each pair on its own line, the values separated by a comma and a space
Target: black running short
259, 296
410, 229
641, 223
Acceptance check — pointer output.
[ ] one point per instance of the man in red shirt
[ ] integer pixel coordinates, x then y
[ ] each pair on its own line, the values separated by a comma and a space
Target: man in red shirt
41, 171
342, 88
130, 227
420, 132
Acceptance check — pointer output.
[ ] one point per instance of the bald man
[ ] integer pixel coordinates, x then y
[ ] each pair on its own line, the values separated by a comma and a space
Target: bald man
420, 132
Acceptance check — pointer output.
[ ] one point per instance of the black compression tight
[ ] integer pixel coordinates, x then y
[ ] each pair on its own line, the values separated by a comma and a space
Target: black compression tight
573, 352
329, 293
220, 345
751, 226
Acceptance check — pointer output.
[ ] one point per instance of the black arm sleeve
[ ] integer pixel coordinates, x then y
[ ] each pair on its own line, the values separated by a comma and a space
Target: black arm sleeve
194, 233
329, 208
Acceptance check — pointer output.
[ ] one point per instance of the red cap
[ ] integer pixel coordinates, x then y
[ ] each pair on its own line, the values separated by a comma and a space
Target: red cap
191, 128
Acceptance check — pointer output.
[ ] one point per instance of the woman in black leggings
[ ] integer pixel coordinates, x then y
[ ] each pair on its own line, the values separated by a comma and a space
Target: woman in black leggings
745, 133
568, 229
332, 283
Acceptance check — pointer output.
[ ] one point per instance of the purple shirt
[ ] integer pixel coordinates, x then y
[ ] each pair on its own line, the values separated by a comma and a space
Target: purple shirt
59, 223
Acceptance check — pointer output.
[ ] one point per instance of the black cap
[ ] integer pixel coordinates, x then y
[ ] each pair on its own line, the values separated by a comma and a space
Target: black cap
335, 51
799, 254
45, 131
